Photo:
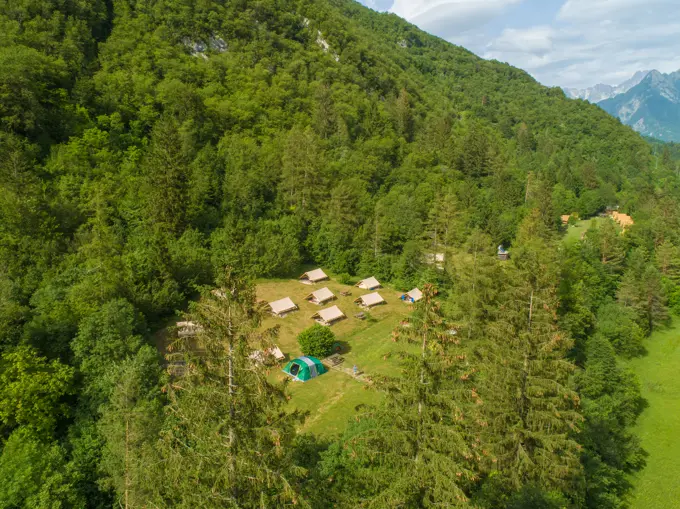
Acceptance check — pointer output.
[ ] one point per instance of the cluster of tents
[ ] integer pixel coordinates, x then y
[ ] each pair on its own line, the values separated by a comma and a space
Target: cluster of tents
305, 368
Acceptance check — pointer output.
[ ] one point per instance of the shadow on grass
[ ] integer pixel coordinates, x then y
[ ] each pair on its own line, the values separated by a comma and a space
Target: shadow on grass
342, 347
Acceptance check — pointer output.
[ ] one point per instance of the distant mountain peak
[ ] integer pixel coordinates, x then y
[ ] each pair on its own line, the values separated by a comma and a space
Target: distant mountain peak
652, 107
602, 92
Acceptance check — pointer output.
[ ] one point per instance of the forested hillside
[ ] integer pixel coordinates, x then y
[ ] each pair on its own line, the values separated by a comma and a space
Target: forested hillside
153, 150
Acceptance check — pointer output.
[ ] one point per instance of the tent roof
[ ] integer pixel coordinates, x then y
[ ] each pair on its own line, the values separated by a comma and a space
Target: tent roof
314, 275
274, 351
369, 283
283, 305
188, 329
372, 299
330, 314
415, 294
322, 295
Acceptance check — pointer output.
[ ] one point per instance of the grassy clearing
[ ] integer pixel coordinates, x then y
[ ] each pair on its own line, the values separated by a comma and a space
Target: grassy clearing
658, 485
575, 232
332, 398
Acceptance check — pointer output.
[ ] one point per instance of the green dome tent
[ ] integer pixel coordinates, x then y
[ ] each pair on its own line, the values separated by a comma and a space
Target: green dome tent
304, 369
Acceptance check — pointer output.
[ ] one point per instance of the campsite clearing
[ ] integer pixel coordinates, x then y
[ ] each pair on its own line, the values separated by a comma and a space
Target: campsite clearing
575, 232
331, 399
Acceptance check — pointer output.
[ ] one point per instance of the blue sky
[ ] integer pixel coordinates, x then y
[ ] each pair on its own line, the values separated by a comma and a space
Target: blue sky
573, 43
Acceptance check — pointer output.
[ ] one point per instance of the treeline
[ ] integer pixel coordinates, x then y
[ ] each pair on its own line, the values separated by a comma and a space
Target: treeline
147, 146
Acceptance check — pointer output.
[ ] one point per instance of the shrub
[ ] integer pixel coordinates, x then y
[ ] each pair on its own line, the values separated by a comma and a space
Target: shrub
345, 279
317, 341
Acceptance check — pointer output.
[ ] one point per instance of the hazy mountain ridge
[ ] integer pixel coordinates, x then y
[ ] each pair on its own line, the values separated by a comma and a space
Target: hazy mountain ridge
601, 91
652, 107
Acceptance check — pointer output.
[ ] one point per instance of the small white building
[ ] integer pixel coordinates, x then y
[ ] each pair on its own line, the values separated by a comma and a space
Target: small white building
370, 283
329, 316
313, 276
320, 297
282, 307
370, 300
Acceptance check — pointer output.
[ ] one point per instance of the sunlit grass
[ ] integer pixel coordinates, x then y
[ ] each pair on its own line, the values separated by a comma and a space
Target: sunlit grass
658, 485
331, 400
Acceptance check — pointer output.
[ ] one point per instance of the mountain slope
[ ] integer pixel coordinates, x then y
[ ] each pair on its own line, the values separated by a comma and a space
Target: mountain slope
602, 92
185, 137
652, 107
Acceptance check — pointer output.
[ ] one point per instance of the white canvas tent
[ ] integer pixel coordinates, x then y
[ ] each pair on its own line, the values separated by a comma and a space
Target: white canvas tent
413, 296
313, 276
187, 329
261, 357
282, 307
370, 300
329, 316
369, 284
321, 296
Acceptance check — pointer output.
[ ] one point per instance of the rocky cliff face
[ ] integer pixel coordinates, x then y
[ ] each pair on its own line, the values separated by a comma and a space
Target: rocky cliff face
652, 107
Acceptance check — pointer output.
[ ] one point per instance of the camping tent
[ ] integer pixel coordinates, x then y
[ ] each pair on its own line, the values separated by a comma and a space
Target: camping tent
313, 276
281, 307
370, 300
260, 356
304, 369
369, 284
413, 296
321, 296
187, 329
329, 316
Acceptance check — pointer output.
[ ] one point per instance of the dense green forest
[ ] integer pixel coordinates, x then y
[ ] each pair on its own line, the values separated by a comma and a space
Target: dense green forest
152, 150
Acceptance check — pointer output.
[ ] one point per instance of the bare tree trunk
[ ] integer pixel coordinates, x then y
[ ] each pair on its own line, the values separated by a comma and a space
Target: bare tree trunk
474, 285
531, 308
127, 462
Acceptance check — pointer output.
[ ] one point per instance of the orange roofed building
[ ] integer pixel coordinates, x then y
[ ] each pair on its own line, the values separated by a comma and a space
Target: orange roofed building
624, 220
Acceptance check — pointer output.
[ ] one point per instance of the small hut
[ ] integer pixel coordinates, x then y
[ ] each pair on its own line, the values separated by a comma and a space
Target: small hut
413, 296
282, 307
261, 357
188, 329
329, 316
313, 276
436, 259
320, 297
304, 369
370, 300
369, 284
503, 254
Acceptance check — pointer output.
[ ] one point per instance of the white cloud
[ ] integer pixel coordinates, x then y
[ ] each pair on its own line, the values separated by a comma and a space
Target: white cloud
595, 41
590, 10
575, 43
450, 18
536, 41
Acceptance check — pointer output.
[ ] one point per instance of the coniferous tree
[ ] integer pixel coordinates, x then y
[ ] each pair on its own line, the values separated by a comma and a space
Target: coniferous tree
417, 449
227, 441
130, 425
531, 409
611, 404
642, 291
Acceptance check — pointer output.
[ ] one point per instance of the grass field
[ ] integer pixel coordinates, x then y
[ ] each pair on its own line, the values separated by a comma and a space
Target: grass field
574, 232
332, 398
658, 485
